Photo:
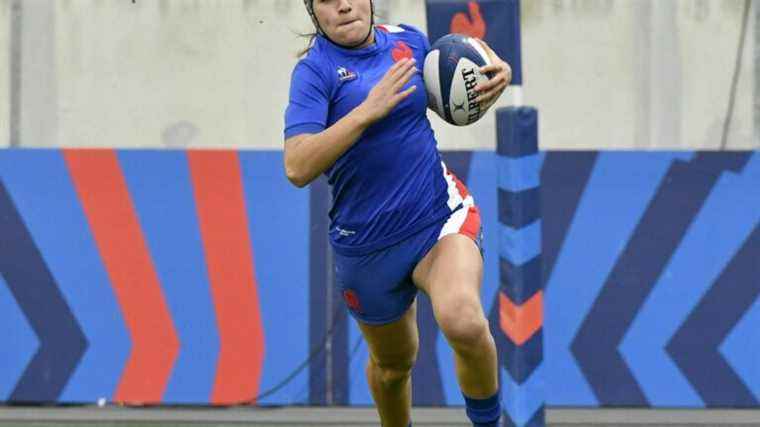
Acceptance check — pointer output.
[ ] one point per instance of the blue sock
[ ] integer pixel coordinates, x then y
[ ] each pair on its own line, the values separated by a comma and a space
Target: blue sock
484, 412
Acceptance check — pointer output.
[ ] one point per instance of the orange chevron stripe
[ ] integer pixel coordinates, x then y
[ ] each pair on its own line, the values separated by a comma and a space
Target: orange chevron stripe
521, 323
116, 229
222, 215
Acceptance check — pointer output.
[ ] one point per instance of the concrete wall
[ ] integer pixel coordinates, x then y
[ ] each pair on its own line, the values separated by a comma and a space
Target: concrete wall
605, 74
5, 95
635, 74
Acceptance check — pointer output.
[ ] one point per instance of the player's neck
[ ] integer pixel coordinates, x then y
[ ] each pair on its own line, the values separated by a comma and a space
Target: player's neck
370, 40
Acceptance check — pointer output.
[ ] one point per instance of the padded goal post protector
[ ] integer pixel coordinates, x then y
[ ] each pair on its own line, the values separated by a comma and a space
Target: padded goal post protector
497, 22
520, 314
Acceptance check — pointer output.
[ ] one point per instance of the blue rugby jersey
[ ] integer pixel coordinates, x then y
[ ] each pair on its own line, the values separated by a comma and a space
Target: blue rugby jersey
390, 183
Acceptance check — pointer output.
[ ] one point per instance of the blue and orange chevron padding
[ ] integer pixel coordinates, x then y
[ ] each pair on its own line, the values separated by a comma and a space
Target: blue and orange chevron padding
520, 344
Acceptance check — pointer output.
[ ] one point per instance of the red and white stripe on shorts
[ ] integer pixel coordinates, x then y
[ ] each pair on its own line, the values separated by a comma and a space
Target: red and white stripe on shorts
466, 220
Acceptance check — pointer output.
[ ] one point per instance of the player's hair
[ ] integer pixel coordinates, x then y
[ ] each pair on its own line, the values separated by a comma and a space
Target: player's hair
312, 38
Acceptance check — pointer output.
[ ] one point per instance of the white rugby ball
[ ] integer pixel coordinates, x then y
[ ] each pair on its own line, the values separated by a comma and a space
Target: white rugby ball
451, 72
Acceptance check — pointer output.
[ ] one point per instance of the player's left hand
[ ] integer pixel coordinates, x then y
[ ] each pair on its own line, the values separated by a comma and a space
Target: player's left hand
491, 90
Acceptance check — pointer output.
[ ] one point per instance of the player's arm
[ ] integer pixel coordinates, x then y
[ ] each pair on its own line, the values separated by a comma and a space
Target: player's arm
309, 155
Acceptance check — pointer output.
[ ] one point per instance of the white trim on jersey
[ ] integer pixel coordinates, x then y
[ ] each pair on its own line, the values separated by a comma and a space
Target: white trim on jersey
455, 222
392, 28
455, 199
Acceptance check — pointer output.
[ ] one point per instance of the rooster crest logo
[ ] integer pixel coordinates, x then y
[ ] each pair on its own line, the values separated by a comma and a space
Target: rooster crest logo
401, 51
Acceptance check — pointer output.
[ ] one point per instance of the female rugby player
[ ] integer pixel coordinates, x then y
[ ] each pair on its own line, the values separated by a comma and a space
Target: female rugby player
400, 221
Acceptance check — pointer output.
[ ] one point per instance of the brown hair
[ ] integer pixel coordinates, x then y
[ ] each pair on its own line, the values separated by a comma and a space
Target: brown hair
312, 38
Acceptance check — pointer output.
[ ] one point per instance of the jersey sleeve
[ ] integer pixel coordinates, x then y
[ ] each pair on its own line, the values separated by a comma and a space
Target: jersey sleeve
308, 103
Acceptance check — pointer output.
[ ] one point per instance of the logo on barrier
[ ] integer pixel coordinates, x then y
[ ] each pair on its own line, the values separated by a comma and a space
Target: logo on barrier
472, 25
497, 22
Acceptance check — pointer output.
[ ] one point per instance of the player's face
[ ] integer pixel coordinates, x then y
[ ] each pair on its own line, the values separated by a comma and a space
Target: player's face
346, 22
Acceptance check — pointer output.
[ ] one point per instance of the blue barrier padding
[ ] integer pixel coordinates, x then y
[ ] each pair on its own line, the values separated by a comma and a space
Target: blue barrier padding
162, 193
604, 219
39, 183
520, 242
519, 174
516, 131
663, 317
742, 348
524, 359
62, 340
520, 245
276, 215
517, 210
520, 282
15, 328
523, 400
588, 223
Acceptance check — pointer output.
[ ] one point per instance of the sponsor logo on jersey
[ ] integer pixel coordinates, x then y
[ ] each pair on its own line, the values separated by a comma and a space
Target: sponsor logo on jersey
345, 75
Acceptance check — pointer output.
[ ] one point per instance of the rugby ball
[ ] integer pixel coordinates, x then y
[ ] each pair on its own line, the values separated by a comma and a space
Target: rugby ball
451, 72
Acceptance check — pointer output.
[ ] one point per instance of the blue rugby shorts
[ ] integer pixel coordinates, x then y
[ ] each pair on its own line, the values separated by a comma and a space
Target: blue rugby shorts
378, 287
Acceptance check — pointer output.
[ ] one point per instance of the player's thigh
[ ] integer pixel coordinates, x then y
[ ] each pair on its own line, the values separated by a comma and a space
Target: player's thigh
451, 273
393, 345
452, 269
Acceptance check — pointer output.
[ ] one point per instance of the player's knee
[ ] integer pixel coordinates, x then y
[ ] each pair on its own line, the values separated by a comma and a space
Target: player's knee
463, 324
392, 374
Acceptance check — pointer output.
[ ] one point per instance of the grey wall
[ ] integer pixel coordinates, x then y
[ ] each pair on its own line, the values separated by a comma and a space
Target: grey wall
605, 74
5, 74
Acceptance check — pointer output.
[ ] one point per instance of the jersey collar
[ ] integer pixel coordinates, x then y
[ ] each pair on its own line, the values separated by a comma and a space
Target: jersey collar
381, 42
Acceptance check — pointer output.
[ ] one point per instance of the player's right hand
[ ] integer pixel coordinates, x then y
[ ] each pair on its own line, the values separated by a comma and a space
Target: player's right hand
387, 92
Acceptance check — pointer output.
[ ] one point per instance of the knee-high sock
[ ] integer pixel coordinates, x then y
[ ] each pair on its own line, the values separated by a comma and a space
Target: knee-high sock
484, 412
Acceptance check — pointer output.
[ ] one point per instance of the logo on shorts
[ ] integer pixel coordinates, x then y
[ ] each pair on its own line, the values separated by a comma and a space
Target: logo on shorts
346, 76
352, 300
344, 233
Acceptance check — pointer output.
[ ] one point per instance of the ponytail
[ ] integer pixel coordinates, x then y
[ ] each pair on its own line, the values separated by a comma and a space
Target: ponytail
312, 38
